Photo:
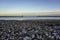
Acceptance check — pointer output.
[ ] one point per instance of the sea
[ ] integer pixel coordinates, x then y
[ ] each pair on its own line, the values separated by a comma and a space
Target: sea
29, 17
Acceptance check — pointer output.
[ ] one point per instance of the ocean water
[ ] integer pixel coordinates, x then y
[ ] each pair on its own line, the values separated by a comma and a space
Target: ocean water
28, 18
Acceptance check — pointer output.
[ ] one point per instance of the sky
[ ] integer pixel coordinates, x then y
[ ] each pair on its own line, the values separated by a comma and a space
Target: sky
29, 7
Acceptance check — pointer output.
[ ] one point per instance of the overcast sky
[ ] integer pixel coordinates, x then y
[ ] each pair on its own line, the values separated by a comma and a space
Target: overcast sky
28, 7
